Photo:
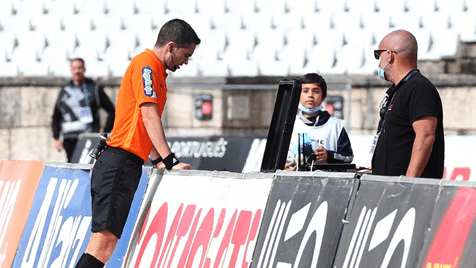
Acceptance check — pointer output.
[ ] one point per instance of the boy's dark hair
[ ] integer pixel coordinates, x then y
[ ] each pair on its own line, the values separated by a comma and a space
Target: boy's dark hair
313, 78
177, 31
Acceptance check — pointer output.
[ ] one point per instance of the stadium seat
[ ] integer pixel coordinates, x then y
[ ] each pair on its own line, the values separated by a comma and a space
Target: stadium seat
16, 23
406, 21
330, 7
8, 43
213, 67
361, 7
48, 23
183, 8
442, 40
8, 7
28, 57
266, 53
29, 8
270, 37
239, 44
108, 23
347, 21
57, 58
120, 8
465, 24
391, 7
368, 62
450, 7
63, 8
423, 39
8, 69
91, 8
321, 59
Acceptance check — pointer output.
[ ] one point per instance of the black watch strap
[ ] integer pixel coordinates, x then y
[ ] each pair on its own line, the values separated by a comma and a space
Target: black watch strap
170, 161
156, 161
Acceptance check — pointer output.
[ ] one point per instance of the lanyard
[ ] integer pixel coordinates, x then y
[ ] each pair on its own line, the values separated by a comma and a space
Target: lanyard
85, 92
393, 96
386, 111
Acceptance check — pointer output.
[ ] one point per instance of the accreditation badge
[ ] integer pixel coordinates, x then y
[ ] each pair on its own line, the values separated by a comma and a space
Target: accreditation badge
372, 149
85, 115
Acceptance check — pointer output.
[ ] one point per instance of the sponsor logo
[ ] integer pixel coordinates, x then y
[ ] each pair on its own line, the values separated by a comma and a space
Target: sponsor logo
448, 245
56, 239
299, 222
197, 238
148, 82
255, 156
458, 174
197, 149
380, 234
9, 192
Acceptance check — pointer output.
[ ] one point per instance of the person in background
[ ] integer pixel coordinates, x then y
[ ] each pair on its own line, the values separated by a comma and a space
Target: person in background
327, 136
410, 138
138, 132
77, 109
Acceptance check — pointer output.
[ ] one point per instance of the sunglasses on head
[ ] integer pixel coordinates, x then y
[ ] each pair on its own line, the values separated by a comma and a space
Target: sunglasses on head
379, 51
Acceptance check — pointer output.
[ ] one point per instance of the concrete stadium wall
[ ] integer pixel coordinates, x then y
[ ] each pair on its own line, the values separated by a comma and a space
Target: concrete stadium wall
209, 218
241, 106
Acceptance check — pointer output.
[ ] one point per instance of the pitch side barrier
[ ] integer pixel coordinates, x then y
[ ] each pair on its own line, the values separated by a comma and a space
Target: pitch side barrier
408, 222
59, 216
223, 219
224, 153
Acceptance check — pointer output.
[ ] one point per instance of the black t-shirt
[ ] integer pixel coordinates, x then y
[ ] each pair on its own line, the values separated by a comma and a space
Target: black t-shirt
412, 99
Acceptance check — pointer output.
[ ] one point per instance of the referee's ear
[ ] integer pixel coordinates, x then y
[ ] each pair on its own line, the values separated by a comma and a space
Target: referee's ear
170, 45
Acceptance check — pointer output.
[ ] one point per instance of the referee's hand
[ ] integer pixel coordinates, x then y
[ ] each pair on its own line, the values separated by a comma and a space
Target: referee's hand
182, 166
176, 167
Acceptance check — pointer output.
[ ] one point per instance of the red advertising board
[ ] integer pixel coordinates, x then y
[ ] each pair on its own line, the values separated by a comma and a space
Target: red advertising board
449, 242
197, 219
18, 183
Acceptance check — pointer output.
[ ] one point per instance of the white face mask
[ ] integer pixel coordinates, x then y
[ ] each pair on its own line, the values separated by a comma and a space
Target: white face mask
381, 71
309, 111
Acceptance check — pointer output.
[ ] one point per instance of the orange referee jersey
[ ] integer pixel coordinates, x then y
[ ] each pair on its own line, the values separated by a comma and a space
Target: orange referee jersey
144, 81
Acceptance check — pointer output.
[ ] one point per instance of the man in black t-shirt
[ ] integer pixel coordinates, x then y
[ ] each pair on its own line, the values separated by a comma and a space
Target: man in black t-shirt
410, 138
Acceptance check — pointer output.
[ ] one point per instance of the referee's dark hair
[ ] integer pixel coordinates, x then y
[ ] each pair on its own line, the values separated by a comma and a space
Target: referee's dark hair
179, 32
313, 78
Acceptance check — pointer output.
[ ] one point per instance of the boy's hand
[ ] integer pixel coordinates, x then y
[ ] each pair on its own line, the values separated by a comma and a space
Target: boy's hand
321, 154
288, 166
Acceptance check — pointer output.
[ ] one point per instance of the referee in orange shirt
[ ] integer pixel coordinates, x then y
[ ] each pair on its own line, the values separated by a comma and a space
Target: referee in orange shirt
137, 133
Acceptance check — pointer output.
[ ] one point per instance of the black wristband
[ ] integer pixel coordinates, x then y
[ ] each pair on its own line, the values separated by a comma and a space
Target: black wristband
156, 161
170, 161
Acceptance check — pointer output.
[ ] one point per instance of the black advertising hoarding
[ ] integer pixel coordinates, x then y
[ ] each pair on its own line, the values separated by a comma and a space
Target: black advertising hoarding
303, 219
190, 149
388, 223
86, 144
221, 153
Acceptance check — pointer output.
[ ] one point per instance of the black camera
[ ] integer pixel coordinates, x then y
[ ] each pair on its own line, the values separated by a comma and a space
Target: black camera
100, 147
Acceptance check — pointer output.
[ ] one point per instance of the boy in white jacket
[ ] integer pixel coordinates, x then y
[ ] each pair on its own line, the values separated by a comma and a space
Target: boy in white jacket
316, 128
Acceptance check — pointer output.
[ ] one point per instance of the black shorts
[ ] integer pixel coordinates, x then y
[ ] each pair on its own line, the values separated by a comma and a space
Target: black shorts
114, 181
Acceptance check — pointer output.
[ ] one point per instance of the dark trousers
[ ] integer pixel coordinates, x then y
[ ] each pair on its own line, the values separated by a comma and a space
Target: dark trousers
69, 145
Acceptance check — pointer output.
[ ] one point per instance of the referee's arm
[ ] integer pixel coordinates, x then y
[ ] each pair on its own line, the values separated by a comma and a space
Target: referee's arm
155, 129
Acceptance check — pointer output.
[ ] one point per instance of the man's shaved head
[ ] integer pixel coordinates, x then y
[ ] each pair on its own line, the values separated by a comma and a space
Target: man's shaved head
403, 42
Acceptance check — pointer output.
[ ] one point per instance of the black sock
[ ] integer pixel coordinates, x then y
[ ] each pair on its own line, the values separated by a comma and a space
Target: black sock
89, 261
